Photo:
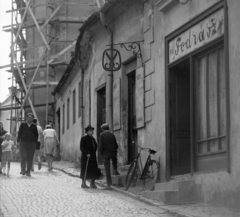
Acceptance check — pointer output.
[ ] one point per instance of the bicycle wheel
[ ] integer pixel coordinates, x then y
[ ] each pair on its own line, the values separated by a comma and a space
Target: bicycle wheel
150, 175
130, 174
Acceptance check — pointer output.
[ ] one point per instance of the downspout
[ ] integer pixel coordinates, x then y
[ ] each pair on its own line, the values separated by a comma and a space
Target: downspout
109, 81
82, 107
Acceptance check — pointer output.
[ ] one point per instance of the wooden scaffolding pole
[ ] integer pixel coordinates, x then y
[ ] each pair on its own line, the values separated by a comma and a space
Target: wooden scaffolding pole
12, 72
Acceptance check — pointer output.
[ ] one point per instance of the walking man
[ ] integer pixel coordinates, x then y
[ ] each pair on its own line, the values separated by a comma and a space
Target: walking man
108, 149
27, 138
38, 146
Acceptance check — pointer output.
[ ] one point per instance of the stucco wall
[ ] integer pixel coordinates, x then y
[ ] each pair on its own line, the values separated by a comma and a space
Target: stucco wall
218, 187
70, 139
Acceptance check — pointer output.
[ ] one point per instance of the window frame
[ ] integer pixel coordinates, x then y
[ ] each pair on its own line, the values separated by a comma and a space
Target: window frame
68, 113
74, 106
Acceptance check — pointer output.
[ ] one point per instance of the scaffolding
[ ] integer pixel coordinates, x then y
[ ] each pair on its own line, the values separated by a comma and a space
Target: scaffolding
42, 21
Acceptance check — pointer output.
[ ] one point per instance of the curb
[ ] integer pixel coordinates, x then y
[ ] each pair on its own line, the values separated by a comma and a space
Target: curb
134, 196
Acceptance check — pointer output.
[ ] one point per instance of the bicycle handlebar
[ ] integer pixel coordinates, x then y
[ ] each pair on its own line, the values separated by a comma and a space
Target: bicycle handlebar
151, 151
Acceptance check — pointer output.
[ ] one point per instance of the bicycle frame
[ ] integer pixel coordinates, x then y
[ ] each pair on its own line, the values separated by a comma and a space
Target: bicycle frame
140, 165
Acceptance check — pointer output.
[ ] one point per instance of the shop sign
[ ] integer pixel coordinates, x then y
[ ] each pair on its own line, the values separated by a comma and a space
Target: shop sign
202, 33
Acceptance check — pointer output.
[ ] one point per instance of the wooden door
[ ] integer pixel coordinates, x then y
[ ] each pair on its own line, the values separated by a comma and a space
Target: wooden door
180, 121
101, 116
132, 131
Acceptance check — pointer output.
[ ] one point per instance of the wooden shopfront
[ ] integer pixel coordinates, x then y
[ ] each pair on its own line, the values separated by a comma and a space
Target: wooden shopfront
197, 94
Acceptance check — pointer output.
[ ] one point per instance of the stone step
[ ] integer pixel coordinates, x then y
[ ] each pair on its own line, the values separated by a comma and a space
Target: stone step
168, 197
173, 192
174, 185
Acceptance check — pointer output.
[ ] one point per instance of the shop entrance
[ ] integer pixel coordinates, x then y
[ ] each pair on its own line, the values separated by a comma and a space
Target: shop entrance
180, 154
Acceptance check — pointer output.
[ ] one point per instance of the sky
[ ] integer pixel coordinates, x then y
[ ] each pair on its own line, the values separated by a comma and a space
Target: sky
5, 42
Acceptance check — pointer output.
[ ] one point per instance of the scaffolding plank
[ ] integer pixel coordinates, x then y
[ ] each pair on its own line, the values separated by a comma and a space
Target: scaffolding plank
20, 63
39, 30
20, 27
24, 84
33, 77
25, 25
62, 52
64, 19
28, 68
23, 8
51, 16
45, 83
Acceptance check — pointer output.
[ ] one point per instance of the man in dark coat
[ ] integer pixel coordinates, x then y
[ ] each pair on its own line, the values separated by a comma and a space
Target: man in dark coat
27, 139
88, 146
108, 148
2, 133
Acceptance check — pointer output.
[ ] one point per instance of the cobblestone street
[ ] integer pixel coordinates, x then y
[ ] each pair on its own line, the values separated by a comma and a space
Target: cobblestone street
57, 194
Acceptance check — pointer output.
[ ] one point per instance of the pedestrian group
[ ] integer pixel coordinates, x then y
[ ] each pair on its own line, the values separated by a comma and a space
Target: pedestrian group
33, 142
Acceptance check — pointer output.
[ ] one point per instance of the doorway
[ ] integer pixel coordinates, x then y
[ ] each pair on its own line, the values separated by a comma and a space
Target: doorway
101, 115
180, 149
132, 131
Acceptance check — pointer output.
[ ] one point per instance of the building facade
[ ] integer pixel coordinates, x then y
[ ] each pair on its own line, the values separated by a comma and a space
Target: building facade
179, 95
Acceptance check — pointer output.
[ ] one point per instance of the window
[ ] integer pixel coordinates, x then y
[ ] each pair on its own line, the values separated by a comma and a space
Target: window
63, 119
74, 106
211, 102
68, 111
79, 99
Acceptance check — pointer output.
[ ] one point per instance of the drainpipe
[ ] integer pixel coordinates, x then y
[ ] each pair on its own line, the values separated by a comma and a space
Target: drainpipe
81, 98
109, 82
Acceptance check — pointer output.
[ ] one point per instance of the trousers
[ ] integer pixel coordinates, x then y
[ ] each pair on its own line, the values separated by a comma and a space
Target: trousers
27, 150
106, 162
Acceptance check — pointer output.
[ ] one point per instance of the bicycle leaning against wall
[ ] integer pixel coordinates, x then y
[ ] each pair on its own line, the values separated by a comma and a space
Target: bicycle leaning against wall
148, 175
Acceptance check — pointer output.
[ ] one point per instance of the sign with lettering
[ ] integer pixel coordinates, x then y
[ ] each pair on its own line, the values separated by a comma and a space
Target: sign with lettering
140, 120
116, 105
202, 33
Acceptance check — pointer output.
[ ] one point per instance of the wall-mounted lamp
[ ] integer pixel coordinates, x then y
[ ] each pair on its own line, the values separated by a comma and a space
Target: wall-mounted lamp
183, 2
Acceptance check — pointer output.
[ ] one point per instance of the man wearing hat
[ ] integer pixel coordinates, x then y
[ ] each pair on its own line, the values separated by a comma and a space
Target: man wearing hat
27, 138
108, 148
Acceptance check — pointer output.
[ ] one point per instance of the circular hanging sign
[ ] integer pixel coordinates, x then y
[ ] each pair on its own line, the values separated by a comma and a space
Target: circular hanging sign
111, 60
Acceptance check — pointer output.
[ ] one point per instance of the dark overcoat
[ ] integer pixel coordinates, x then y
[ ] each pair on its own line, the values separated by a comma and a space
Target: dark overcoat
88, 145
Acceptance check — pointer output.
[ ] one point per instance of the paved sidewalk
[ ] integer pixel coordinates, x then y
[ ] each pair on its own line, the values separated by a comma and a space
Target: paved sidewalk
189, 210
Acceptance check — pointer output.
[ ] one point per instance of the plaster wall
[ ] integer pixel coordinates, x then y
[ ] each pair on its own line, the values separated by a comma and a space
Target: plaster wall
215, 187
70, 139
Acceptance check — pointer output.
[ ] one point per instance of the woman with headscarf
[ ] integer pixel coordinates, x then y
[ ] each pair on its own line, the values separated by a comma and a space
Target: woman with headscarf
50, 144
88, 146
2, 136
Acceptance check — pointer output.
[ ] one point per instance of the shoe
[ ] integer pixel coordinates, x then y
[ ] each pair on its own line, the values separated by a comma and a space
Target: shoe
107, 188
116, 173
23, 173
92, 185
39, 165
4, 174
28, 174
0, 171
84, 186
32, 170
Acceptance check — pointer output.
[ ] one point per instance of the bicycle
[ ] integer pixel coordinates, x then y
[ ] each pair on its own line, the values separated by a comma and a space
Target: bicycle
149, 174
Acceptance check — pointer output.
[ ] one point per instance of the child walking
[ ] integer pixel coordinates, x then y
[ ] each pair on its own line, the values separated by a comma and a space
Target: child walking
7, 147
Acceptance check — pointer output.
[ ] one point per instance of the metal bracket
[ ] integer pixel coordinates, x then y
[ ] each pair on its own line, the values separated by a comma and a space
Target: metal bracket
112, 55
134, 46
